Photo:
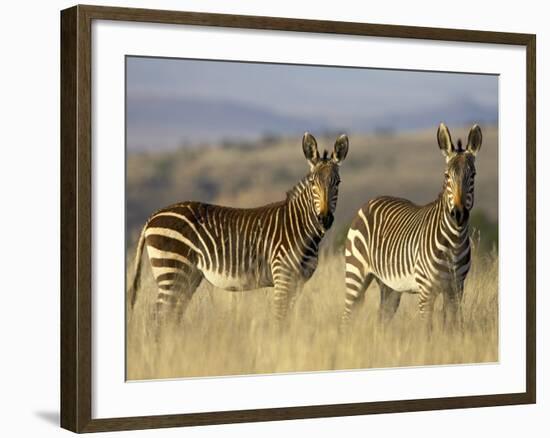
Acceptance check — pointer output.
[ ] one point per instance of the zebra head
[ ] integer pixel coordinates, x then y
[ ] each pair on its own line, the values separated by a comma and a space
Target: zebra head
460, 172
324, 178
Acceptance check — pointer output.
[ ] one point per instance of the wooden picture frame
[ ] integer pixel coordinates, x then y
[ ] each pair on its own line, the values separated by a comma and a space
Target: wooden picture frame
76, 218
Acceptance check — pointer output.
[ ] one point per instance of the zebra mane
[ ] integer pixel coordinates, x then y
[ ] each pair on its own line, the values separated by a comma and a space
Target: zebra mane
297, 190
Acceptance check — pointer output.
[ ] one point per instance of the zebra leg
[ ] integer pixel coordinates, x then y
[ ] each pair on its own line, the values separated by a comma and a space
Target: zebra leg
174, 296
285, 290
452, 309
426, 302
188, 290
355, 294
389, 303
293, 292
285, 286
460, 314
283, 297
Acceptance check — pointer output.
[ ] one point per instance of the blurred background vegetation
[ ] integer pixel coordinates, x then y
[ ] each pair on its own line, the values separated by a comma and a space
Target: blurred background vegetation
246, 174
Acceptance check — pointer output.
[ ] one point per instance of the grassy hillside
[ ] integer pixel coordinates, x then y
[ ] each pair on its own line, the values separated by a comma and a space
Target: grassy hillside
246, 175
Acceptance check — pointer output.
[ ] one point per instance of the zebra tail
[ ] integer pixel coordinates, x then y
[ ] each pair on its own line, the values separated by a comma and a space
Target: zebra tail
135, 282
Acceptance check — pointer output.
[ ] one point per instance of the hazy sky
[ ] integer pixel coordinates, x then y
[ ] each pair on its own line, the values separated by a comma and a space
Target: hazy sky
333, 95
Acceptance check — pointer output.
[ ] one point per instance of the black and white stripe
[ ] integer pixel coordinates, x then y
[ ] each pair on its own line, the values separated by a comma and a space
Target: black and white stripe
235, 249
418, 249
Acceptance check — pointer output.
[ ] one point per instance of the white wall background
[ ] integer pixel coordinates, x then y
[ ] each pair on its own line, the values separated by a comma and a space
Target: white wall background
29, 217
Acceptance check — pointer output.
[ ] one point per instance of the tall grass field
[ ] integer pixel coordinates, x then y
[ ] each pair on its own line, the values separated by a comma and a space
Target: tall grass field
234, 333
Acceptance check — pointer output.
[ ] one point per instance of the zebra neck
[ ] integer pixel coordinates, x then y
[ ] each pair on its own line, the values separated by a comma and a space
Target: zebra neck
300, 206
452, 236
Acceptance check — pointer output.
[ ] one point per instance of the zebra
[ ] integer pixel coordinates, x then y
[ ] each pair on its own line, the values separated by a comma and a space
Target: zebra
239, 249
418, 249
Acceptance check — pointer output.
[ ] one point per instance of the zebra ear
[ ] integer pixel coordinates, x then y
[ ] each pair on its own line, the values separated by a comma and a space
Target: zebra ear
340, 149
474, 140
444, 140
309, 145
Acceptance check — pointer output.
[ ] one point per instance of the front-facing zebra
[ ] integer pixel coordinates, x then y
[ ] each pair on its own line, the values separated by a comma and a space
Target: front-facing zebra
418, 249
241, 249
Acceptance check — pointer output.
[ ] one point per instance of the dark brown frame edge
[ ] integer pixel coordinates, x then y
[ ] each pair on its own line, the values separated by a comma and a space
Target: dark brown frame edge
76, 323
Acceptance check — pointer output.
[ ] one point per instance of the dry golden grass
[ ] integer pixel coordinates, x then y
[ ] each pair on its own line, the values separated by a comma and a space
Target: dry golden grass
229, 333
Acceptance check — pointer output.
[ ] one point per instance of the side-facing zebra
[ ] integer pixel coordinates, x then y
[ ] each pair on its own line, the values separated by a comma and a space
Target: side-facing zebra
418, 249
236, 249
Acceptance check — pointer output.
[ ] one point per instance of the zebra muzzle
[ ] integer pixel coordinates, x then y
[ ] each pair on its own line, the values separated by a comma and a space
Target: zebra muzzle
460, 215
326, 220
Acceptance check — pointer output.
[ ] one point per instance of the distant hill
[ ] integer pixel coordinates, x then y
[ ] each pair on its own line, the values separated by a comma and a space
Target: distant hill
166, 123
458, 112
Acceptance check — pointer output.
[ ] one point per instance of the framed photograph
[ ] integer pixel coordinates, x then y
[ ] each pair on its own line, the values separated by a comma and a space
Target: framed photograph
270, 218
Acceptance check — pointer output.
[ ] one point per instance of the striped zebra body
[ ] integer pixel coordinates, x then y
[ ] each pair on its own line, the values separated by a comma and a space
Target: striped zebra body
236, 249
418, 249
